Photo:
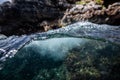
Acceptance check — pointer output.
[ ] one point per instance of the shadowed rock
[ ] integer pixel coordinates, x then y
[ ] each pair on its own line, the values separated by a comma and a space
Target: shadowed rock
24, 16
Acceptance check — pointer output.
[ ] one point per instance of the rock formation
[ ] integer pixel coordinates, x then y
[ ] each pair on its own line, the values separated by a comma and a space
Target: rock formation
27, 16
93, 12
24, 16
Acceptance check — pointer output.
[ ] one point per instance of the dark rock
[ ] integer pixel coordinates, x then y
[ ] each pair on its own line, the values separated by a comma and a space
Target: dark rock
23, 16
108, 2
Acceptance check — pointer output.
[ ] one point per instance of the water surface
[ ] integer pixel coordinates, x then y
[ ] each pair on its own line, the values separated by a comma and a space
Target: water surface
76, 52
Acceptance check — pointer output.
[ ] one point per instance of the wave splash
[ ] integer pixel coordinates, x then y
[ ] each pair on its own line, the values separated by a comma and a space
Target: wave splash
9, 46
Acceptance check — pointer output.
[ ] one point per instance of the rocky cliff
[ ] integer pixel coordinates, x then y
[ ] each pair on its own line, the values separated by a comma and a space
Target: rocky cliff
29, 16
25, 16
94, 12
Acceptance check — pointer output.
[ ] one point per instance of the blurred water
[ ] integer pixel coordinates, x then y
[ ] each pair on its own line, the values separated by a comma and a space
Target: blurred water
2, 1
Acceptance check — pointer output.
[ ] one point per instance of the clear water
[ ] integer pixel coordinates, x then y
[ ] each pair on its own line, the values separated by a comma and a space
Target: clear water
70, 53
67, 58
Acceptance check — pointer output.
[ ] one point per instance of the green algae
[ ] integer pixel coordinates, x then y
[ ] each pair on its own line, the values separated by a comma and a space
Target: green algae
95, 60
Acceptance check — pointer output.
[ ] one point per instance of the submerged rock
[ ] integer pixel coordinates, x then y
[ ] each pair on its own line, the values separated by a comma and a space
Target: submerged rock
69, 59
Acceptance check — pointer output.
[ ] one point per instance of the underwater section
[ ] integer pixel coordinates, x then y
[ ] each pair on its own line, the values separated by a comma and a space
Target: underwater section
64, 58
81, 51
107, 33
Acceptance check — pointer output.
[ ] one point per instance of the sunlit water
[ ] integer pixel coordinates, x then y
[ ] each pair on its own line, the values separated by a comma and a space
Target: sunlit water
71, 53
